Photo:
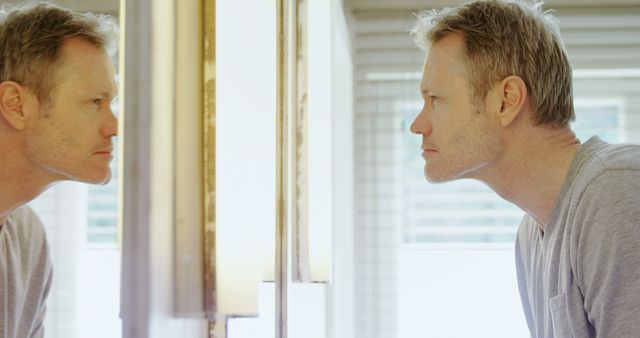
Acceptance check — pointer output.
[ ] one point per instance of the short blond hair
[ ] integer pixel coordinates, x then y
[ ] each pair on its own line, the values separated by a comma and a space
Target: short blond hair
504, 38
32, 34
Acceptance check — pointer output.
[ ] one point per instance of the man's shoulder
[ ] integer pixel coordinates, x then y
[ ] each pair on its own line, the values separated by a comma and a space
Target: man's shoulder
25, 244
599, 156
598, 161
606, 192
24, 225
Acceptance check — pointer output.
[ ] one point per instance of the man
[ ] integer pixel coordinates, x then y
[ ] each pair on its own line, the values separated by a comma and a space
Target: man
56, 86
497, 105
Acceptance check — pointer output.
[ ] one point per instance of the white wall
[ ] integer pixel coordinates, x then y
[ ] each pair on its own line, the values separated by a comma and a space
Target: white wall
245, 150
318, 310
459, 293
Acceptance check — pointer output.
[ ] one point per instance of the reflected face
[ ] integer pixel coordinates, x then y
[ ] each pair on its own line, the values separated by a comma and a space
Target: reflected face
458, 139
71, 138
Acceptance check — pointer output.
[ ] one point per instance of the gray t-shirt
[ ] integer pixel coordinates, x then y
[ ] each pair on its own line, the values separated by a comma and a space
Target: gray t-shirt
581, 278
25, 275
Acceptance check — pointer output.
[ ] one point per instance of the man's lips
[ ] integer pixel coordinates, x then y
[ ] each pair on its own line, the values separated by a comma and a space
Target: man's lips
426, 151
105, 153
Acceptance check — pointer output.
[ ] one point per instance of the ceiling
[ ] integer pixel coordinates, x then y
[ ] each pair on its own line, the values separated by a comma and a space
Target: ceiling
376, 5
111, 6
96, 6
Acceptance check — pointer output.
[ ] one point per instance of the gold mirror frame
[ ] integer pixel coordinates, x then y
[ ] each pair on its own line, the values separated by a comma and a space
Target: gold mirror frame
209, 165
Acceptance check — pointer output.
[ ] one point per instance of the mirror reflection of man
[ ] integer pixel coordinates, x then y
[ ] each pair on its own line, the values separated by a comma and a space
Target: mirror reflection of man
498, 101
56, 123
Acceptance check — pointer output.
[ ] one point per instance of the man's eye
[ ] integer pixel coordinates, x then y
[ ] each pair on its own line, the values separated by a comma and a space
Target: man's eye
97, 102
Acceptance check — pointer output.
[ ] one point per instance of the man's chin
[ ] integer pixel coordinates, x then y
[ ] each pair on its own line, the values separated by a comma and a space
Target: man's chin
95, 179
435, 177
104, 180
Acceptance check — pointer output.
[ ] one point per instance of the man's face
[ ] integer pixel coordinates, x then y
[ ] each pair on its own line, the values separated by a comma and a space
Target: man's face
458, 139
70, 139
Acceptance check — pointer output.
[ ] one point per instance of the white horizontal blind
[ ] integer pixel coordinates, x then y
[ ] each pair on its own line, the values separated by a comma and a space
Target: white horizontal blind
604, 50
102, 203
397, 207
382, 46
102, 211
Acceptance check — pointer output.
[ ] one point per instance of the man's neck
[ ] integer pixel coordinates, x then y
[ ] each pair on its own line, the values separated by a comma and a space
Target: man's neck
20, 184
12, 198
533, 170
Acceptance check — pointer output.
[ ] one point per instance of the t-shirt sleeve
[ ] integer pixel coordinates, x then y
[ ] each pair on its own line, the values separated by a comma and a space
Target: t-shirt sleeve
606, 253
38, 331
39, 275
523, 268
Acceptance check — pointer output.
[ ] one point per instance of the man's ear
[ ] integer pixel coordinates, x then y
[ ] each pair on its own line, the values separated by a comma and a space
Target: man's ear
513, 95
12, 96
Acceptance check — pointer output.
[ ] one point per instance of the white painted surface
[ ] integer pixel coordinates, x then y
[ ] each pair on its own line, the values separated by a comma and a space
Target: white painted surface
245, 151
341, 292
98, 293
459, 293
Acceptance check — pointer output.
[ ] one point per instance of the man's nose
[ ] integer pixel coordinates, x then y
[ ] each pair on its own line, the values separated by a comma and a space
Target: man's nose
421, 124
110, 127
